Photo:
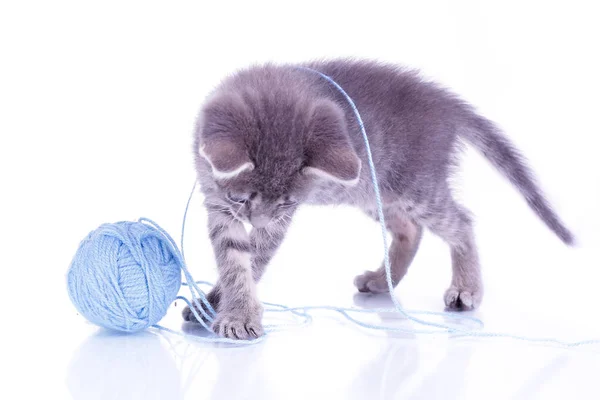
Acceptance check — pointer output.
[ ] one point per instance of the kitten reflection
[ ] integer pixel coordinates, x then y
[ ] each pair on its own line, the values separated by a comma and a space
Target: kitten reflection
123, 366
391, 319
247, 360
387, 373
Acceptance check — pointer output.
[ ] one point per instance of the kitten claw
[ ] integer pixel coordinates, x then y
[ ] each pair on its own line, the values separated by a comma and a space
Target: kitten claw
236, 325
186, 314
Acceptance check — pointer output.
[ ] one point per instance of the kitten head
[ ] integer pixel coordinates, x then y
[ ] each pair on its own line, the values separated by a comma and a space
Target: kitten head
263, 146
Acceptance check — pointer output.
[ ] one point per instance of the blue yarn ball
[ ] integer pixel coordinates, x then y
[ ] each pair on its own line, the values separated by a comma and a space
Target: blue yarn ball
124, 276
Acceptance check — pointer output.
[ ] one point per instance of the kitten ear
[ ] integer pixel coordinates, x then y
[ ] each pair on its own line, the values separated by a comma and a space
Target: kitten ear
330, 153
226, 157
219, 136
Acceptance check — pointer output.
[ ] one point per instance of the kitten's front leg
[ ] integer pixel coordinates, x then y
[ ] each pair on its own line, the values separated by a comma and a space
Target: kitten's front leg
240, 312
265, 242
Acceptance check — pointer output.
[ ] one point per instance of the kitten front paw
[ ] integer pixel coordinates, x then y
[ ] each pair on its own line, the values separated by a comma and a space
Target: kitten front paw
239, 324
463, 298
371, 282
189, 316
213, 298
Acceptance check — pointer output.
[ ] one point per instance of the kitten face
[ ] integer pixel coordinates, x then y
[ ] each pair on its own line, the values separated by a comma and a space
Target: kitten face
260, 196
264, 151
258, 209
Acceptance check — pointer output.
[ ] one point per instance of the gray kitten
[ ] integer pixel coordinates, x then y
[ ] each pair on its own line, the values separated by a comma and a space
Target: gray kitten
273, 137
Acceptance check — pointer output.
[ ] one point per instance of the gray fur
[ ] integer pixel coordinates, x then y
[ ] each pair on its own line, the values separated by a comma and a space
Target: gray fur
273, 137
406, 237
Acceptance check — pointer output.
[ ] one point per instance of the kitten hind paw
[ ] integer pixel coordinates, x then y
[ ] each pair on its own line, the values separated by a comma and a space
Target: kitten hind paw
371, 282
462, 299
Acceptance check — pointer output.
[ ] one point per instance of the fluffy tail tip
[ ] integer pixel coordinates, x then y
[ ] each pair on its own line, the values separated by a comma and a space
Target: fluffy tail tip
566, 236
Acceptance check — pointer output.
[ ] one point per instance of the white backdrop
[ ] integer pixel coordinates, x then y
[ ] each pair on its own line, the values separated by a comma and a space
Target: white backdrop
97, 106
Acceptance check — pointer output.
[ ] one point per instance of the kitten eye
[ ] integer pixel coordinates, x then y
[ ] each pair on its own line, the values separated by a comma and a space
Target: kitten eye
236, 198
287, 202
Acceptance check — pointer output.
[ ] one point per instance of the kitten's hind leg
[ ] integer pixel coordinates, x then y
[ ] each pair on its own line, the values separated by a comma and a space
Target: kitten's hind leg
453, 224
406, 236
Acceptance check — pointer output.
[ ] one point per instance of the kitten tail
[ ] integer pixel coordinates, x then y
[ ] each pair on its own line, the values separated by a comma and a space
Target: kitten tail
489, 140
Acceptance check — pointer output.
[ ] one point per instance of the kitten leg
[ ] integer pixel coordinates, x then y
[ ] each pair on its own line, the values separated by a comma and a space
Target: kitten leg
239, 310
265, 242
406, 236
453, 224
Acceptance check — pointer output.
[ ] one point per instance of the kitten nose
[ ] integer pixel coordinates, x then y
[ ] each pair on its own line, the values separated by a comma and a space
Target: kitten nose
259, 221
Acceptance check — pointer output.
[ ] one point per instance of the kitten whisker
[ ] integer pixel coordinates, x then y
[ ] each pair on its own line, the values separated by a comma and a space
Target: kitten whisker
208, 203
217, 212
235, 215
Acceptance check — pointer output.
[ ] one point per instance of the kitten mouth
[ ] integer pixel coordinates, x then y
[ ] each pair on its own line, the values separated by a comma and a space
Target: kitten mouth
236, 216
259, 221
239, 218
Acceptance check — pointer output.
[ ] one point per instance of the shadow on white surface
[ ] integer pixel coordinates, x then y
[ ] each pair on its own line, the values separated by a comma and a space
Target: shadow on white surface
195, 329
386, 373
235, 372
373, 301
448, 379
401, 369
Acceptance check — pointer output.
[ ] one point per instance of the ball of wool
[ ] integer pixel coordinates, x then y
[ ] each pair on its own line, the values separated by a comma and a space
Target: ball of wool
124, 276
